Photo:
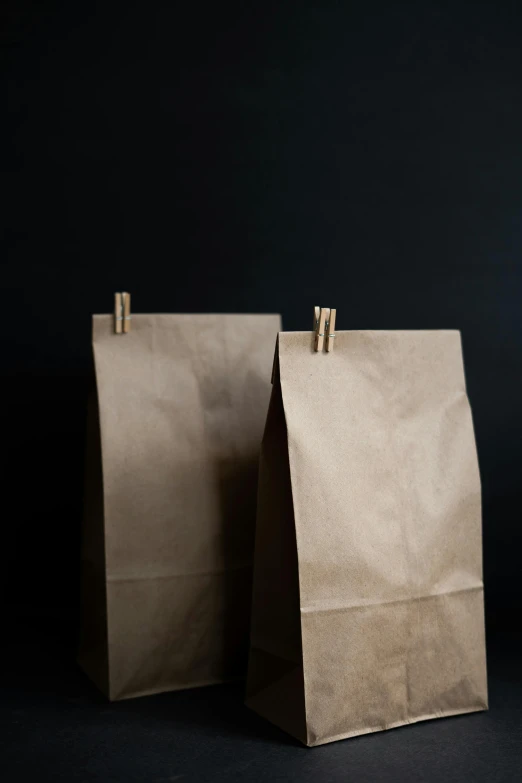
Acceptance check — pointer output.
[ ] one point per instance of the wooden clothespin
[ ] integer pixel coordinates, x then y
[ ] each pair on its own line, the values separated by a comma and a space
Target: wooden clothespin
122, 313
320, 327
126, 312
118, 314
330, 331
324, 326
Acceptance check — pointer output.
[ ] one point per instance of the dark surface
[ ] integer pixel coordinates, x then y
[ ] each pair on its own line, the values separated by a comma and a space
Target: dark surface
249, 157
59, 728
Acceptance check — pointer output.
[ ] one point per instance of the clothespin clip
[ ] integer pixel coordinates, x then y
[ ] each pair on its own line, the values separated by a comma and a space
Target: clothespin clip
324, 325
122, 316
320, 317
118, 314
126, 312
330, 331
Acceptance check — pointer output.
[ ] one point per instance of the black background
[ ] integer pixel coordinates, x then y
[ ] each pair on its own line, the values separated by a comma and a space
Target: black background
252, 157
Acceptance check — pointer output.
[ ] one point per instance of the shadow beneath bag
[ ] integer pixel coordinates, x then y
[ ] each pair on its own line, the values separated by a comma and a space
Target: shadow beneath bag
238, 501
216, 711
54, 685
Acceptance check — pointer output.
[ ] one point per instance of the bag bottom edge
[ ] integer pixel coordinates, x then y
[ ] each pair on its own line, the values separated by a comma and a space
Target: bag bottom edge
399, 724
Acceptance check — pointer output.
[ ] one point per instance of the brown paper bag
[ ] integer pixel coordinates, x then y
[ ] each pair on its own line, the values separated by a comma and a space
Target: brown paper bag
368, 598
172, 464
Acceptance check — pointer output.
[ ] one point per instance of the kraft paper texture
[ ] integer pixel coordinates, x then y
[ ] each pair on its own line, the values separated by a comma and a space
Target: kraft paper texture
174, 438
368, 596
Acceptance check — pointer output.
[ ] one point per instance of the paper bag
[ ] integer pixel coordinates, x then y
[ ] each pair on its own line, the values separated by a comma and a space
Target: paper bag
175, 433
368, 598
